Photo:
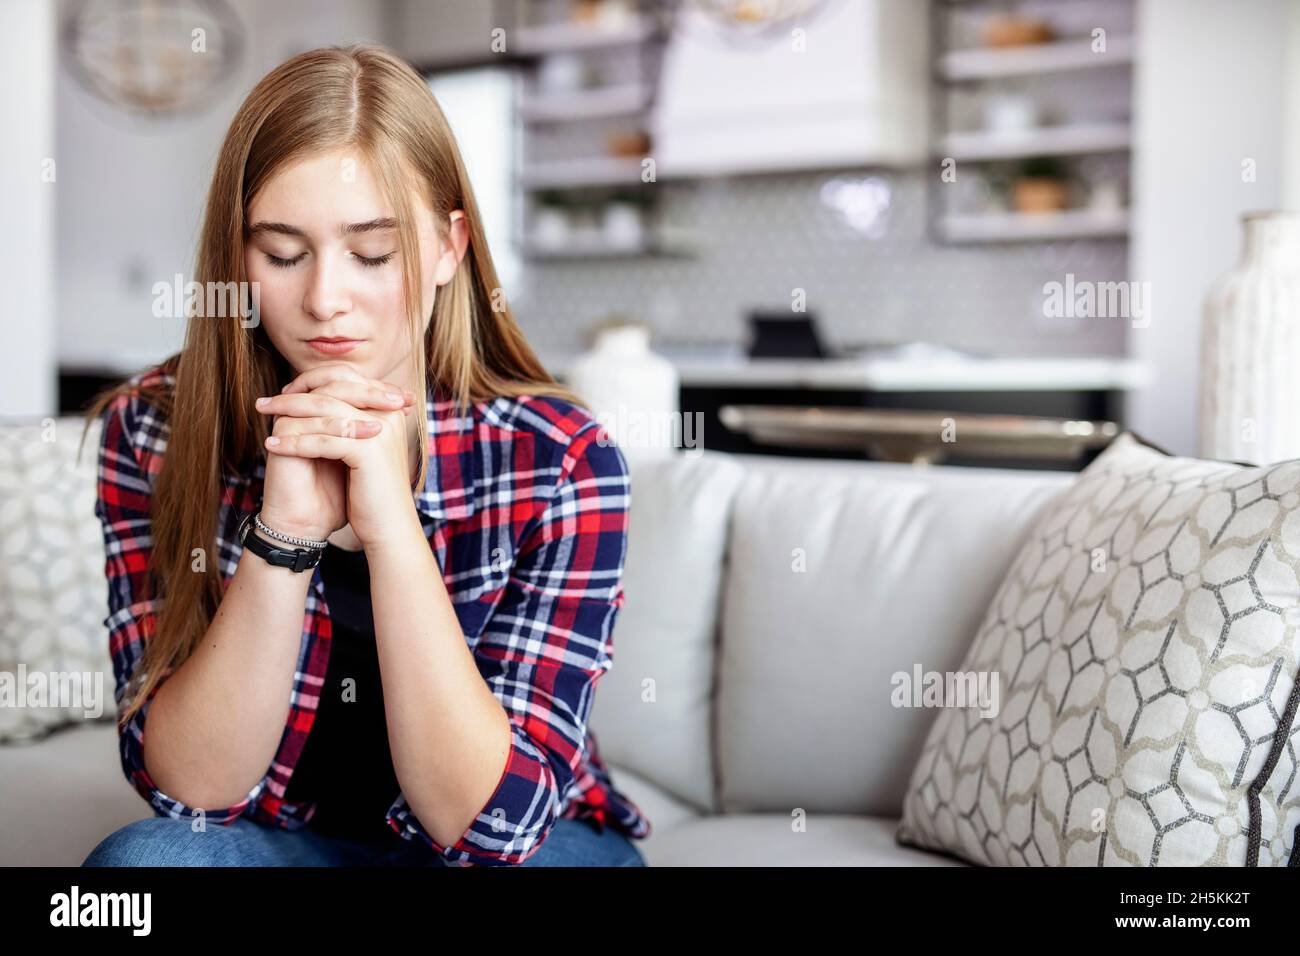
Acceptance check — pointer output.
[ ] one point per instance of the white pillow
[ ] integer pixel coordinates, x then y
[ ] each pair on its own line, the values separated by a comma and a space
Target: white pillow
1146, 641
653, 711
53, 596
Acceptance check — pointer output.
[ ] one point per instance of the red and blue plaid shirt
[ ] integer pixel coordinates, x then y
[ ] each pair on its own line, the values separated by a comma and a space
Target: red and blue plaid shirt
525, 507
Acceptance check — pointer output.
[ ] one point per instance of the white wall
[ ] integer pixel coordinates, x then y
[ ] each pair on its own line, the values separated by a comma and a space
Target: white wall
27, 370
131, 191
480, 108
1210, 91
1291, 109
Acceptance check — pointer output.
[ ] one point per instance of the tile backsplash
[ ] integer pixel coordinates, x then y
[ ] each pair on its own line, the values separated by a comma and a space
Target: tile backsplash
855, 241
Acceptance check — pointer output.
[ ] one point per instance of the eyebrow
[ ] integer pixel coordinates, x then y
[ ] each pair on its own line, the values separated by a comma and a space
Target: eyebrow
347, 229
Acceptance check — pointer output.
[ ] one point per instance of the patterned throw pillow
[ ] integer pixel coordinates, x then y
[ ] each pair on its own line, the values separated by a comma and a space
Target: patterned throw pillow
1145, 642
53, 596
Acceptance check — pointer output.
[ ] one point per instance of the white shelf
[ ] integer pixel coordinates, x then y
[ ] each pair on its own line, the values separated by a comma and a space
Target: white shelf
1044, 141
1020, 226
984, 63
576, 173
566, 37
586, 104
594, 247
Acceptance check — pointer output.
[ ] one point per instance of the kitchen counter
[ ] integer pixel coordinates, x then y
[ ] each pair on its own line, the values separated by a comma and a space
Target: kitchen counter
906, 374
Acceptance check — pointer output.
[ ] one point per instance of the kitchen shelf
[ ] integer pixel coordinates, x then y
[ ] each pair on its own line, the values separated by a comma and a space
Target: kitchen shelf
1023, 227
582, 173
621, 100
583, 247
1044, 141
568, 37
1059, 56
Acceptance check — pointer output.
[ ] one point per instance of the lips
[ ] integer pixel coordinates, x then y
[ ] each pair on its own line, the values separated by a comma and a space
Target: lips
334, 344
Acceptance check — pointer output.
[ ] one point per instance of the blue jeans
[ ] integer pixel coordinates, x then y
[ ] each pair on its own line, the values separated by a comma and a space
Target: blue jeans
164, 841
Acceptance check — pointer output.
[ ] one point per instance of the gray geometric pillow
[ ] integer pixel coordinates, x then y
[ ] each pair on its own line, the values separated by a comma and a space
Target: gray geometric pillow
54, 654
1146, 642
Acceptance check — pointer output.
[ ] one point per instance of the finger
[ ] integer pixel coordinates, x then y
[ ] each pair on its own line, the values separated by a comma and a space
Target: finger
309, 405
364, 394
342, 427
346, 450
320, 374
338, 371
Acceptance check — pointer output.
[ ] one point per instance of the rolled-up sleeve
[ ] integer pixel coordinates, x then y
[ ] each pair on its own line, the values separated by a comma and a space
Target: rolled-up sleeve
122, 506
543, 650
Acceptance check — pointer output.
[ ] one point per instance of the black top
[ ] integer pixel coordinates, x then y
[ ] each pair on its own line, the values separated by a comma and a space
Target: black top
346, 765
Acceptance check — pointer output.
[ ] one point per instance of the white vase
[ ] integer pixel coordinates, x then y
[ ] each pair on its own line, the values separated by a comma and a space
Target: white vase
1250, 348
632, 391
621, 225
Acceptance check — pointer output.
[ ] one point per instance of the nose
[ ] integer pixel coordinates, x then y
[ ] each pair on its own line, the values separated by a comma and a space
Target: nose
327, 293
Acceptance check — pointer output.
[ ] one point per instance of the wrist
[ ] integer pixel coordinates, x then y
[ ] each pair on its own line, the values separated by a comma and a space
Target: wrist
396, 541
290, 528
275, 553
255, 531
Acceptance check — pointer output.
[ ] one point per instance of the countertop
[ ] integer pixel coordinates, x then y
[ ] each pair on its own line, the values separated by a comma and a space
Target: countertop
905, 374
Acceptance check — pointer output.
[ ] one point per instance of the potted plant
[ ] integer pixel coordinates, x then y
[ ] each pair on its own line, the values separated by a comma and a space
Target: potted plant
1040, 184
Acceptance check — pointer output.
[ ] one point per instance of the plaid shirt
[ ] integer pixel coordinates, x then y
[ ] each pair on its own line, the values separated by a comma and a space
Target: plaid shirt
525, 507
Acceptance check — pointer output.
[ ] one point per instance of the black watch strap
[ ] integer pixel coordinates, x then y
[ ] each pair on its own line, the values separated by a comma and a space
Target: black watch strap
295, 559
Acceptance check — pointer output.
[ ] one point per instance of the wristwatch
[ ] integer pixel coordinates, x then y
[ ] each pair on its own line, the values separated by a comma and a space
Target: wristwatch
295, 559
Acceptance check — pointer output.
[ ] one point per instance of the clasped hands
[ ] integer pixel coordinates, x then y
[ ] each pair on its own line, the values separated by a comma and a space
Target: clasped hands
355, 430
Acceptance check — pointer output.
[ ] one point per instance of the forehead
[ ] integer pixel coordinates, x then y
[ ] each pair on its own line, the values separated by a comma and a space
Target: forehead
321, 191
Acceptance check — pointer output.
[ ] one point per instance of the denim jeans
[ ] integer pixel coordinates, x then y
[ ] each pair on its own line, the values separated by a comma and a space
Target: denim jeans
164, 841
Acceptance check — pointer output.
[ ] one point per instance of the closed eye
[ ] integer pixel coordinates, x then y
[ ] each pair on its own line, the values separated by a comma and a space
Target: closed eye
368, 262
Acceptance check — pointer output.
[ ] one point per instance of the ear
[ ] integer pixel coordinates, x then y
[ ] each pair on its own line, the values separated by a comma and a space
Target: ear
452, 251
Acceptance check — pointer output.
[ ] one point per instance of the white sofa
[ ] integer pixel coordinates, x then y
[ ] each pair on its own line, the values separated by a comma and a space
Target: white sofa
748, 713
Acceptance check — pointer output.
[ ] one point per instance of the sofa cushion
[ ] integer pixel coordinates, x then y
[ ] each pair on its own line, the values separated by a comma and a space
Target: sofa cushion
772, 839
61, 795
53, 599
665, 811
839, 576
652, 711
1146, 641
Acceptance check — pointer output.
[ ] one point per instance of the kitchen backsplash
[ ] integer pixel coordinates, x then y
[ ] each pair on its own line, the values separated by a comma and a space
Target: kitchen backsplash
856, 242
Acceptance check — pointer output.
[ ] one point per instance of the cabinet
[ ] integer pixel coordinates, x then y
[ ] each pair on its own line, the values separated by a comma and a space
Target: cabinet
843, 85
446, 34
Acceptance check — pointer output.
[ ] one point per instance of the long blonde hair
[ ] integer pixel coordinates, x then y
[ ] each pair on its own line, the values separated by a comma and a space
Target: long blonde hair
362, 97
